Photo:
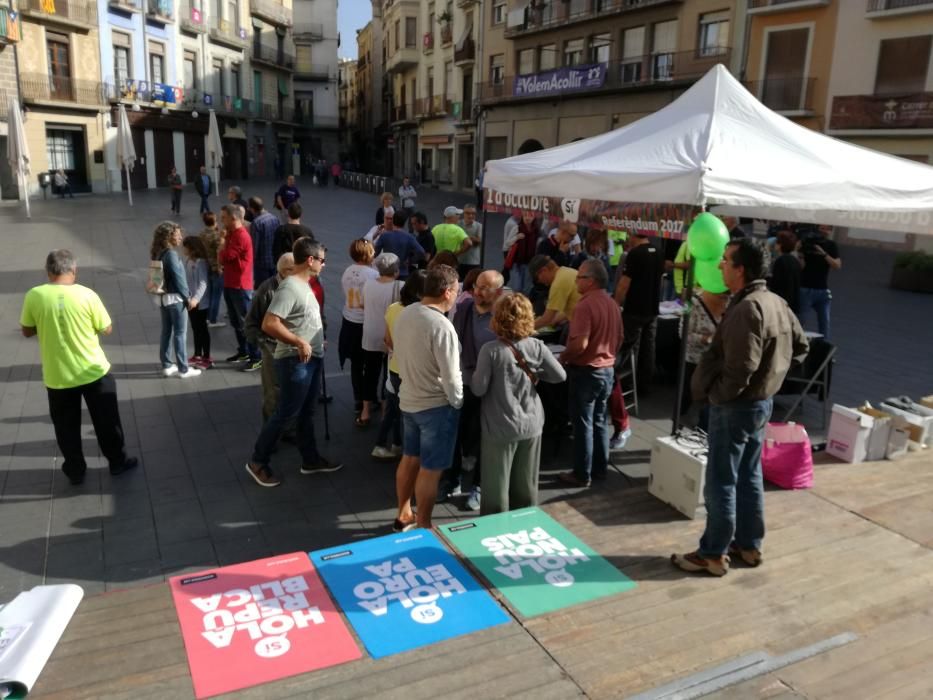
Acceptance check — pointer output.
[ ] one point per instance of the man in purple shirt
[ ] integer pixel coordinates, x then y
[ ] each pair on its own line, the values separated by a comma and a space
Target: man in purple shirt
395, 239
287, 194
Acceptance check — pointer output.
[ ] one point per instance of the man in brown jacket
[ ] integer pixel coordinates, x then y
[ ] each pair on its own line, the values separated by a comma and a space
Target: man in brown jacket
754, 346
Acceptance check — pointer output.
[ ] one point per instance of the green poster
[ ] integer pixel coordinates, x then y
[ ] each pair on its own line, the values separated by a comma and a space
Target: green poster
537, 565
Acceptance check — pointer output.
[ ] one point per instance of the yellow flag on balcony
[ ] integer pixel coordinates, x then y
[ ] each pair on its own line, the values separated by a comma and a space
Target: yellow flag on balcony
48, 6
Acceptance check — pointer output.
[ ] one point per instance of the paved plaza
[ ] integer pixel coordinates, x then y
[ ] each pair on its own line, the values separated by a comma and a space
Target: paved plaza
190, 504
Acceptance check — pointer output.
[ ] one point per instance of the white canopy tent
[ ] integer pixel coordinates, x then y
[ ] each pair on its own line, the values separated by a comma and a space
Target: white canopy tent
17, 150
718, 146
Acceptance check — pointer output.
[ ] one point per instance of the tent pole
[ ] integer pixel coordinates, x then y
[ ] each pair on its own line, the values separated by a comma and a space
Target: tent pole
682, 359
482, 246
22, 178
129, 187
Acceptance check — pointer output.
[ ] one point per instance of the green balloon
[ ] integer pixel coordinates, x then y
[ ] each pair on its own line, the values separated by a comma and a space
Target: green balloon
707, 237
709, 276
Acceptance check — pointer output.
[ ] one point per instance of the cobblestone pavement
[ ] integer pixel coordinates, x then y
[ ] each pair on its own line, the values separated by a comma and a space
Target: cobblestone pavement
191, 505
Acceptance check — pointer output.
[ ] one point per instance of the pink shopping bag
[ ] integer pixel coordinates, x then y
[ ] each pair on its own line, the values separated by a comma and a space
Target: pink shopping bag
786, 458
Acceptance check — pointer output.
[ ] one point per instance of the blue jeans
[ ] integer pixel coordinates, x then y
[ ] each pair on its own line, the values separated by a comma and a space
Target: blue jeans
733, 491
520, 279
392, 420
215, 291
299, 386
819, 300
205, 205
589, 398
174, 333
238, 301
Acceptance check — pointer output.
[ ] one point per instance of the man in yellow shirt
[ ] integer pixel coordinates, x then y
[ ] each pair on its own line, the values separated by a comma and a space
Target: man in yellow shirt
68, 318
449, 235
562, 295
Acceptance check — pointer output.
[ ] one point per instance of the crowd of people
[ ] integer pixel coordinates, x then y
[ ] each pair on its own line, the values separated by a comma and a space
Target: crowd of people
452, 360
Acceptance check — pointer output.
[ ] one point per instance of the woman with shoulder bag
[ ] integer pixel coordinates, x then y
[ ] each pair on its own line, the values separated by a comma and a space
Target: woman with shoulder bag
173, 302
511, 414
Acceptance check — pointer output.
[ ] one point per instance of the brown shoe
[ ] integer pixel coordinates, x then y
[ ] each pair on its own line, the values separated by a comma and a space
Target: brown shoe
572, 479
693, 563
749, 557
262, 475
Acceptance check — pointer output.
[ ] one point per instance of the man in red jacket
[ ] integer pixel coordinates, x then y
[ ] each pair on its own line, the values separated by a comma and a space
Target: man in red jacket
236, 258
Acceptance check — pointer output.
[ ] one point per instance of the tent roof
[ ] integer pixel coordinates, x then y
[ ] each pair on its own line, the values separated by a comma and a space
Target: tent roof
718, 145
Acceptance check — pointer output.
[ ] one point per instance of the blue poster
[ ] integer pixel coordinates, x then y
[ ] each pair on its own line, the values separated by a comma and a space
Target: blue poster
560, 80
405, 591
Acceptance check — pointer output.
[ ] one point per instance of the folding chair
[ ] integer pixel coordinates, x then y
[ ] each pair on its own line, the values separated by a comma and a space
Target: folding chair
812, 378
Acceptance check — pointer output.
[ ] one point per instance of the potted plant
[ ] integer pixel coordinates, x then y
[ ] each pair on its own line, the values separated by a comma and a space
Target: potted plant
913, 272
444, 17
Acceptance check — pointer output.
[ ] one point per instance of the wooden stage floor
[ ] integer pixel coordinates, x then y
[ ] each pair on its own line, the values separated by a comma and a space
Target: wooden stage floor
852, 555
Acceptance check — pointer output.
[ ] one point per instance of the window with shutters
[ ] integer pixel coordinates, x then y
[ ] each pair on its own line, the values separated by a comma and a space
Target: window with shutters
663, 46
902, 65
713, 38
497, 69
633, 54
526, 61
190, 68
156, 62
122, 46
573, 52
547, 57
600, 45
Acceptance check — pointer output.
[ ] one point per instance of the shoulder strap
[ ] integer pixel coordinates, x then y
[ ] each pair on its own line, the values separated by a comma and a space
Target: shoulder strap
708, 312
520, 359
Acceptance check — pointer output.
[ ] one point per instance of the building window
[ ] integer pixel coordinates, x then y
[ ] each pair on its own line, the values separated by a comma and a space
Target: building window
547, 57
396, 37
785, 69
60, 149
573, 52
713, 39
156, 62
633, 54
497, 69
902, 65
121, 58
235, 89
576, 7
257, 88
59, 66
448, 79
499, 11
190, 63
411, 32
663, 46
233, 15
600, 45
217, 68
526, 61
430, 83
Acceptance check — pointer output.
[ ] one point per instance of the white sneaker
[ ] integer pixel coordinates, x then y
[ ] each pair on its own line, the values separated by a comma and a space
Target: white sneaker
619, 440
473, 500
216, 324
169, 371
191, 372
380, 452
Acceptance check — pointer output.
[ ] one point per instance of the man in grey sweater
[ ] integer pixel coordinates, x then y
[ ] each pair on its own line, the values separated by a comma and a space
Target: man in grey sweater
428, 355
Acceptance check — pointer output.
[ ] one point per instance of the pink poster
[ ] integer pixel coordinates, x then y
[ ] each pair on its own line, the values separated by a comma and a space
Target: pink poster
256, 622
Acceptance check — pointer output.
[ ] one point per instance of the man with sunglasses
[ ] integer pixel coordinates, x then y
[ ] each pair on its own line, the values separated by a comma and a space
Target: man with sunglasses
293, 319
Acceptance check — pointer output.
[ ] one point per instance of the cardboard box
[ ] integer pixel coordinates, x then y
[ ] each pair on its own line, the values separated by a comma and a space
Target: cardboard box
921, 426
927, 401
898, 439
879, 434
848, 434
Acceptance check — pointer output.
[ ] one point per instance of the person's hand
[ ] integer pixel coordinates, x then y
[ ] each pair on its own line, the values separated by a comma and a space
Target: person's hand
820, 251
304, 351
519, 237
192, 304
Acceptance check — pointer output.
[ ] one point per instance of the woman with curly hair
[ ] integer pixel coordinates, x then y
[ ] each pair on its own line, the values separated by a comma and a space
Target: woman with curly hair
511, 414
173, 302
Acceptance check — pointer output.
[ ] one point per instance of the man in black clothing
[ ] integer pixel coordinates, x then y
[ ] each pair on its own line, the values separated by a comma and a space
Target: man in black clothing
287, 234
419, 225
639, 294
558, 245
818, 255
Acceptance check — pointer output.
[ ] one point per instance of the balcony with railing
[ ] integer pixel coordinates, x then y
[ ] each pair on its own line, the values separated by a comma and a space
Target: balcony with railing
865, 112
879, 9
312, 72
233, 106
433, 107
161, 11
226, 33
403, 58
191, 19
313, 31
793, 95
465, 54
272, 12
9, 27
129, 6
403, 113
76, 14
550, 14
647, 72
273, 56
763, 7
38, 87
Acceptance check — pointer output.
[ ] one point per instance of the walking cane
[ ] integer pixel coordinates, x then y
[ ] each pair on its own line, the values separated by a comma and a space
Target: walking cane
325, 401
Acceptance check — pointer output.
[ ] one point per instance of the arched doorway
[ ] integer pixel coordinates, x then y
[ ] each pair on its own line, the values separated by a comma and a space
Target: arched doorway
530, 146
